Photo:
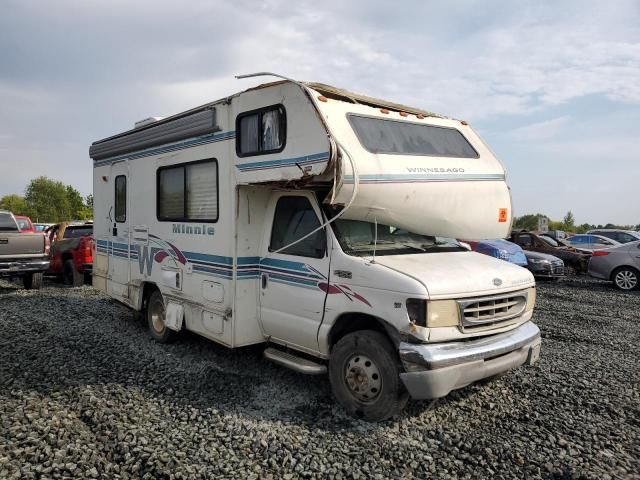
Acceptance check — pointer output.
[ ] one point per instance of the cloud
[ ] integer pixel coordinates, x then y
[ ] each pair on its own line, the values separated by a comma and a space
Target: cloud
76, 71
541, 130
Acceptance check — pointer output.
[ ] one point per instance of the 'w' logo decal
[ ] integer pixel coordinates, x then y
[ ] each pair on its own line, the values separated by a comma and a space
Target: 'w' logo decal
145, 258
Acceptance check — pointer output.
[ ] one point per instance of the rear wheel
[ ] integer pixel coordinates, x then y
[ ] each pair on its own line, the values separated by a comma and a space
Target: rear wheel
32, 281
364, 371
156, 319
70, 275
626, 278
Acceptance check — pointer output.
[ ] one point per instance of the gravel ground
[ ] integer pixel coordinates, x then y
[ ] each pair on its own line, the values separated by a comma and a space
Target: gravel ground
85, 393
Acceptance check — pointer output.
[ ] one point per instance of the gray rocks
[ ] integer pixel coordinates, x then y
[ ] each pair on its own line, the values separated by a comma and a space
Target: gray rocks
85, 393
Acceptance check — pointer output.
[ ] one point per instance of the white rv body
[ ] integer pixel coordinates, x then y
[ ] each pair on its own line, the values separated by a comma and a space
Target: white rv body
219, 277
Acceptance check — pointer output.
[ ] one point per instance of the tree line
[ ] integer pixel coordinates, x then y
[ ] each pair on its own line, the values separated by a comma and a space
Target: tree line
49, 201
531, 221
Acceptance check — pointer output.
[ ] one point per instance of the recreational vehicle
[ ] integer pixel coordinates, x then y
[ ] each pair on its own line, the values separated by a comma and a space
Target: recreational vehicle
321, 223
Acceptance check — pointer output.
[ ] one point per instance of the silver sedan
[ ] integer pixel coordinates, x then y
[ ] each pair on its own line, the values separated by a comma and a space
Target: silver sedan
621, 265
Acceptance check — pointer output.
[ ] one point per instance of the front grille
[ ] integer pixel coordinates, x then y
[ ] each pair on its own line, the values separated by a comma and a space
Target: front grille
557, 267
491, 312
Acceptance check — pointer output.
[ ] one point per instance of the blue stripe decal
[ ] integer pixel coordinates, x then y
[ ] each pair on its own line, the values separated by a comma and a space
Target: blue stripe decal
280, 271
286, 162
403, 178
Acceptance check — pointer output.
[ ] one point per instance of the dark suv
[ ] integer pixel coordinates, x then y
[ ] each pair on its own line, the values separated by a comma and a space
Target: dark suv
574, 261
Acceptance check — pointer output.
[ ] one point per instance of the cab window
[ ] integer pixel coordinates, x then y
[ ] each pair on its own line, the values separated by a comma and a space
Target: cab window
293, 219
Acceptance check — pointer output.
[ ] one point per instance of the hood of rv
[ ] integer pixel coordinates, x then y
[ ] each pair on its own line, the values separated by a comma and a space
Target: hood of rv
459, 274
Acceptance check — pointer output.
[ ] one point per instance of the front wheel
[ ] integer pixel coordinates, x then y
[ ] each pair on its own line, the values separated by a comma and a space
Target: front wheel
364, 372
626, 278
156, 319
32, 281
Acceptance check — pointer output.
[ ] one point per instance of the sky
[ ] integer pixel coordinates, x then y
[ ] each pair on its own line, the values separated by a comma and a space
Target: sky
553, 87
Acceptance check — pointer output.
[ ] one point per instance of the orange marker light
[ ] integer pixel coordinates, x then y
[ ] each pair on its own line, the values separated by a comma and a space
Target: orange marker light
420, 116
464, 122
322, 98
384, 110
404, 114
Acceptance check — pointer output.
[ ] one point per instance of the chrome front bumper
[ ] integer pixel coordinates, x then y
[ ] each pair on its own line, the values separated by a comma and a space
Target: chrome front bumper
434, 370
18, 267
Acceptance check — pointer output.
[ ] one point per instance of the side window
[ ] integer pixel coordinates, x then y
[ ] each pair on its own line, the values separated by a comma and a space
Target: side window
261, 131
188, 192
293, 219
525, 240
121, 198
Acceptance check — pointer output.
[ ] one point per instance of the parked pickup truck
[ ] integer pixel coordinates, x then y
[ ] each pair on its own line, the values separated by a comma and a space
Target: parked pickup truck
22, 255
71, 252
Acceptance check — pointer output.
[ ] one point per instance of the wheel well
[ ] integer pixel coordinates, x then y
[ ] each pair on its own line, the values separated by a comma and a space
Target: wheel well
352, 322
617, 269
147, 289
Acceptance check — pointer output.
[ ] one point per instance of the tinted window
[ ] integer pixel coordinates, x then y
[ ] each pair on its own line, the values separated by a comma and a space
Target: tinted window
293, 219
121, 198
23, 224
626, 238
389, 136
7, 224
261, 131
524, 240
75, 232
189, 192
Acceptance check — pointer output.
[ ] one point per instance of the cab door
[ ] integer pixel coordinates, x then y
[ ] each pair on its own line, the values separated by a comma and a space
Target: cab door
119, 250
293, 283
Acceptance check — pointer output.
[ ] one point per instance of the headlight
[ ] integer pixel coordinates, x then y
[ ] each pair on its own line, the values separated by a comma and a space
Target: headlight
443, 313
537, 261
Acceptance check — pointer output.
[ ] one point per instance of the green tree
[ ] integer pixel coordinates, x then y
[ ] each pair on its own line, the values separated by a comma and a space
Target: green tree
527, 222
14, 203
569, 221
584, 228
47, 200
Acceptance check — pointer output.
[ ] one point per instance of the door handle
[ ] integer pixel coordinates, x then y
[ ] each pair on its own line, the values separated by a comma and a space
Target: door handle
264, 279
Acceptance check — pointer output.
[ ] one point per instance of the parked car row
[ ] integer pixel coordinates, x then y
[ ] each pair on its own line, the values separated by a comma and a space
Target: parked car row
28, 252
612, 255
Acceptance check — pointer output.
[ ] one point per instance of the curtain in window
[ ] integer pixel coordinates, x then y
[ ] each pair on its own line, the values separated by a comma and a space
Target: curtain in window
249, 133
171, 194
202, 195
271, 130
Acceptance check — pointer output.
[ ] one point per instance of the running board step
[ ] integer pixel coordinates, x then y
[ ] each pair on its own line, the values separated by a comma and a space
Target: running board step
298, 364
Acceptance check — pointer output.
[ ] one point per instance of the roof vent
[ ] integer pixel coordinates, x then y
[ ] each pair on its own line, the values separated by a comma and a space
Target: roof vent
147, 121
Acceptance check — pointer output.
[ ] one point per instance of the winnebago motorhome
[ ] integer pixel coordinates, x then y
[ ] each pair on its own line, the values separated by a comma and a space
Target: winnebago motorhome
319, 222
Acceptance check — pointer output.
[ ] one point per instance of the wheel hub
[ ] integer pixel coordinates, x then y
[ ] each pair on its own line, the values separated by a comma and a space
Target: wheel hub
157, 316
626, 280
363, 378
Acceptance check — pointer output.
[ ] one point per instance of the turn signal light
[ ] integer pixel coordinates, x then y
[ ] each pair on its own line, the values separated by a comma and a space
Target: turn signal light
600, 253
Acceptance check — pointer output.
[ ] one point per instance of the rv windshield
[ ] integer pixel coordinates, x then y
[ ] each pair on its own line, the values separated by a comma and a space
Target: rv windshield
357, 238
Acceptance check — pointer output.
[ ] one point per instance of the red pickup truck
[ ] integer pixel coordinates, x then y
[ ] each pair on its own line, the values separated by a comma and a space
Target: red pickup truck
71, 252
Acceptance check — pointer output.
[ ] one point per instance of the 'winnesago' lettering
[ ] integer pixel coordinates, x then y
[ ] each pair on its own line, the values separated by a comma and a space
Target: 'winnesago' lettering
434, 170
181, 228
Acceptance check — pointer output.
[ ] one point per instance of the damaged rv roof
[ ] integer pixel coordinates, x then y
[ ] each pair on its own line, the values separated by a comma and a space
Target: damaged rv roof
328, 91
347, 96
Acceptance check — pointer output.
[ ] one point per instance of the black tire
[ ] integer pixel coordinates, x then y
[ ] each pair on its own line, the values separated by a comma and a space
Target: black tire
364, 371
626, 278
32, 281
154, 313
70, 275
